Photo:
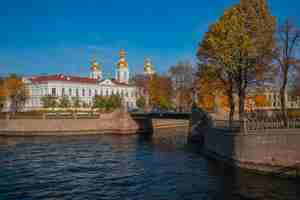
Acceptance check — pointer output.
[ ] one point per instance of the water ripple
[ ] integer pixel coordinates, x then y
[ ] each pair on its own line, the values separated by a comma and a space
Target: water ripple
120, 168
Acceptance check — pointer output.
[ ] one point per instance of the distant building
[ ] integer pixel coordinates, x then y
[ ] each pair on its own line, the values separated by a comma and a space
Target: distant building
85, 88
270, 95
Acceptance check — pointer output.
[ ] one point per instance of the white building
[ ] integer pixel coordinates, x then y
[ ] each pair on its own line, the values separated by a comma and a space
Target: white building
85, 88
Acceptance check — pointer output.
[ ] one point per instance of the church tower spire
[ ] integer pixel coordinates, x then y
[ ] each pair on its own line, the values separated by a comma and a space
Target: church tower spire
148, 67
122, 71
95, 68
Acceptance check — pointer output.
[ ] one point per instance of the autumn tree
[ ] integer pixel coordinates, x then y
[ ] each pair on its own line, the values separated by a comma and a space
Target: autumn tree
142, 82
141, 102
240, 45
16, 92
182, 76
3, 94
160, 92
288, 41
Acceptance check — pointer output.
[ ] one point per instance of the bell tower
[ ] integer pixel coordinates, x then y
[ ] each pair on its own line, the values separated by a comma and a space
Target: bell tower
148, 67
95, 70
122, 71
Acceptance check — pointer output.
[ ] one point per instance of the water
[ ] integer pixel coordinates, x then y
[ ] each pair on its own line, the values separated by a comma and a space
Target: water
130, 167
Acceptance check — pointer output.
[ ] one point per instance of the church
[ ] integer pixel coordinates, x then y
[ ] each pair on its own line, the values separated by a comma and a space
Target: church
85, 88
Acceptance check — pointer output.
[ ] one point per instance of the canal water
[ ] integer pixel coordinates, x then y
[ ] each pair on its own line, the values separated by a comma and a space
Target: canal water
161, 167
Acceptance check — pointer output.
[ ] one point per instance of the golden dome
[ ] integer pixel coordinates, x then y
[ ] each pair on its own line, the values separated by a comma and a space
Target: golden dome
122, 63
95, 65
148, 66
122, 53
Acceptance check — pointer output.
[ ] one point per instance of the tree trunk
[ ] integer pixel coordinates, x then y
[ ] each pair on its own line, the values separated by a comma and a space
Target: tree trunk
232, 108
242, 97
283, 101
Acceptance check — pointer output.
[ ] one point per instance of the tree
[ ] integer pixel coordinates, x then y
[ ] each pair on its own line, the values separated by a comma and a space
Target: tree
256, 51
49, 101
182, 76
142, 81
64, 102
76, 102
296, 85
240, 46
160, 92
107, 103
141, 102
3, 94
16, 92
288, 41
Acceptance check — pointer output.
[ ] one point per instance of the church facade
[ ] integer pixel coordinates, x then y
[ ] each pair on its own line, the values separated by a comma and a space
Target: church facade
84, 88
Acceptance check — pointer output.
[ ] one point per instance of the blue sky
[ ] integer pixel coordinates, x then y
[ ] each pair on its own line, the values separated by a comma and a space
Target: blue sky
61, 36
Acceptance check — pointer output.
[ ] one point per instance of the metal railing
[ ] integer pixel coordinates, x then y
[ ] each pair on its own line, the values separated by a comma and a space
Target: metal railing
257, 124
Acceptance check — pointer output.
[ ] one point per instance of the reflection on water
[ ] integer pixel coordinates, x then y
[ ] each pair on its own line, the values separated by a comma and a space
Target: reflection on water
128, 167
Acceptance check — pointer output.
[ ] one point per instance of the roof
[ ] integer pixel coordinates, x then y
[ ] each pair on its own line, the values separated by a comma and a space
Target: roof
64, 78
71, 79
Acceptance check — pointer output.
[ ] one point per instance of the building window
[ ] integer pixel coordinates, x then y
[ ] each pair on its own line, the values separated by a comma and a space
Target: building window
63, 92
70, 91
83, 92
96, 92
90, 92
77, 92
53, 91
101, 92
106, 92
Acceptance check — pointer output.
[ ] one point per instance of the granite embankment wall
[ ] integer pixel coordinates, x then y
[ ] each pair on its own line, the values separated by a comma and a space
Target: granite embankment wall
266, 150
113, 123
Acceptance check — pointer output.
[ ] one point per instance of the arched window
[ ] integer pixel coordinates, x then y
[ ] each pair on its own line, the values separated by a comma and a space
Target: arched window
83, 92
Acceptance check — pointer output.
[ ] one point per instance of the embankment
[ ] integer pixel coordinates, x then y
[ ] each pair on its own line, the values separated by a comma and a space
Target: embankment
265, 151
113, 123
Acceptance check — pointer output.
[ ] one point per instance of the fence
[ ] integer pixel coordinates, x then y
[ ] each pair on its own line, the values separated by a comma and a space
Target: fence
52, 115
257, 124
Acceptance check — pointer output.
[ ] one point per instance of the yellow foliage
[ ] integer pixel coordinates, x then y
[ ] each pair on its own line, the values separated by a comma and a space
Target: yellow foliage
206, 102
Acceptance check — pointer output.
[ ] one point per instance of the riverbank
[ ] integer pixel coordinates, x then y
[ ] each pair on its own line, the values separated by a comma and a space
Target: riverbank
263, 146
117, 122
267, 151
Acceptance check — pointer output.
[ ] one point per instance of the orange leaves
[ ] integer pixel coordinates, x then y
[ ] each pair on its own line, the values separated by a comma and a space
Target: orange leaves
261, 101
160, 91
13, 87
206, 102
